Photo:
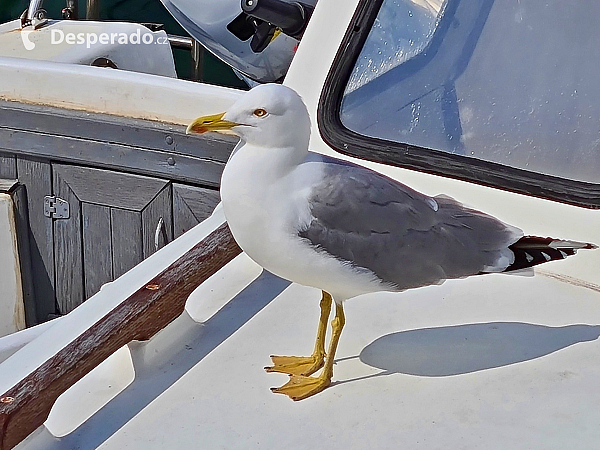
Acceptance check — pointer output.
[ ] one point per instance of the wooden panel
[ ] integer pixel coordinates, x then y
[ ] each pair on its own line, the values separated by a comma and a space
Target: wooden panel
8, 166
126, 240
159, 207
97, 247
21, 215
183, 217
191, 205
108, 188
202, 201
26, 405
68, 252
121, 130
172, 165
36, 176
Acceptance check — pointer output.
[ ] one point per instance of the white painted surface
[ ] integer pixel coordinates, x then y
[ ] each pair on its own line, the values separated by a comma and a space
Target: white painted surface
108, 379
118, 92
393, 389
488, 362
13, 342
12, 312
52, 42
514, 366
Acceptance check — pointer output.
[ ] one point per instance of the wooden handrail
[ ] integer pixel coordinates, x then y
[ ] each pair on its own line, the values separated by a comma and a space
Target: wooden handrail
26, 406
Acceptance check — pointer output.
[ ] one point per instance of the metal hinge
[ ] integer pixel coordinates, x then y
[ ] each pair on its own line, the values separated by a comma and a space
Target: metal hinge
56, 208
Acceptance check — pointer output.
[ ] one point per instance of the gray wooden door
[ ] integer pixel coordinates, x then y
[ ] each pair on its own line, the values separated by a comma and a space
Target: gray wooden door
36, 176
112, 226
191, 205
114, 215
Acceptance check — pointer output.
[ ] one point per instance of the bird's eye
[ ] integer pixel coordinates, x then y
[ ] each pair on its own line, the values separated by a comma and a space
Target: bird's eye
260, 112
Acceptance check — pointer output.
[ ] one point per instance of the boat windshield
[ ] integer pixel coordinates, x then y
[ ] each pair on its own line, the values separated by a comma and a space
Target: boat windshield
514, 83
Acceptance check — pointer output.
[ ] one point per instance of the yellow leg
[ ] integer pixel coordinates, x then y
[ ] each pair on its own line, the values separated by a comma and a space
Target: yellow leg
306, 365
300, 387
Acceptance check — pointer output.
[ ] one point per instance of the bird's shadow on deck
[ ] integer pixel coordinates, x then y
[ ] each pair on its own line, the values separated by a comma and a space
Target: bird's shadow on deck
461, 349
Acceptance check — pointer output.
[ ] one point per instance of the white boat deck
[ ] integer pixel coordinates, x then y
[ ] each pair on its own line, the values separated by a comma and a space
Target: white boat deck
513, 367
490, 362
420, 370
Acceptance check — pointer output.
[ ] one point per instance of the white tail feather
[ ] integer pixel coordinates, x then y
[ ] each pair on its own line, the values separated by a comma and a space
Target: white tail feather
567, 244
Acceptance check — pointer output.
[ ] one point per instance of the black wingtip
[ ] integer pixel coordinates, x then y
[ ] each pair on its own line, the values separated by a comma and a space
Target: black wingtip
533, 250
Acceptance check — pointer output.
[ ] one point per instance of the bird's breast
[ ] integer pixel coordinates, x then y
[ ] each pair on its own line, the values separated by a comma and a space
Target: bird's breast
265, 214
258, 205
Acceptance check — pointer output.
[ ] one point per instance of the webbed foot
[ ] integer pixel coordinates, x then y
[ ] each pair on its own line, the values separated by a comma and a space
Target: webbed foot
300, 387
296, 365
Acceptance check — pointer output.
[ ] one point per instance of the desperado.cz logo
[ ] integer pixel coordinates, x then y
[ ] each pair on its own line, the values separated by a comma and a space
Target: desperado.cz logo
58, 37
25, 38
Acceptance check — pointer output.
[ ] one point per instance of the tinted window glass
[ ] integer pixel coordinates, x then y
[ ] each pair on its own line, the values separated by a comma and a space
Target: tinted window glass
514, 83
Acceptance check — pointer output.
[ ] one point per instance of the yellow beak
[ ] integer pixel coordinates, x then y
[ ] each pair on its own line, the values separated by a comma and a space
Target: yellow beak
210, 123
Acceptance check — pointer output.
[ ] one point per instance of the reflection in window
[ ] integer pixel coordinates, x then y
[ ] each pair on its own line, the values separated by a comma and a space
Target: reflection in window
509, 82
401, 30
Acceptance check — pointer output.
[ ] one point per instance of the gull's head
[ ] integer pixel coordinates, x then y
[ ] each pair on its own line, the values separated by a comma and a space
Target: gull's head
269, 115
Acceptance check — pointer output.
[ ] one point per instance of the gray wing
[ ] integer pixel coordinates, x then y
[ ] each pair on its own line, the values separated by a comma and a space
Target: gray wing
406, 238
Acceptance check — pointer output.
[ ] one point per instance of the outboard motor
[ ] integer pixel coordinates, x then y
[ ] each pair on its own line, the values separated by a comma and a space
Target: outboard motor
257, 38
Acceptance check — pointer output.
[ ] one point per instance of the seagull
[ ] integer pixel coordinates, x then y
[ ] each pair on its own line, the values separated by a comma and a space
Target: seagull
343, 228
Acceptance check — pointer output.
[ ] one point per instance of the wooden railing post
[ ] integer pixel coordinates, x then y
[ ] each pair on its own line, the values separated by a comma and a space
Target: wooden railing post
25, 406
